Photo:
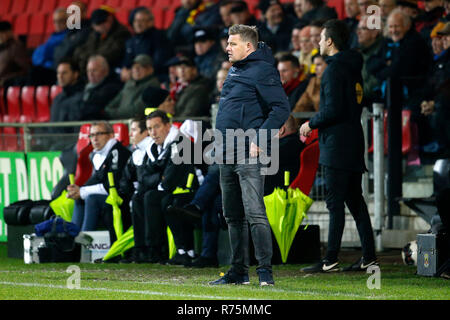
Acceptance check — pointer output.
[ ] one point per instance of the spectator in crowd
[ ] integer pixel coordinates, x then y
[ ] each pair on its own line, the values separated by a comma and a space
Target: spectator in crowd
240, 14
107, 38
369, 41
75, 37
289, 150
316, 10
364, 5
446, 17
295, 48
191, 14
276, 28
292, 77
409, 7
386, 7
403, 55
309, 101
157, 98
435, 105
298, 5
307, 51
43, 72
146, 40
66, 105
207, 52
109, 155
352, 13
14, 60
434, 11
192, 91
128, 185
225, 12
220, 79
101, 88
314, 33
159, 178
128, 102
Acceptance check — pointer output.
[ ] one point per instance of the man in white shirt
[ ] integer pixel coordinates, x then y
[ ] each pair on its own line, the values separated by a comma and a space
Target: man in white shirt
109, 155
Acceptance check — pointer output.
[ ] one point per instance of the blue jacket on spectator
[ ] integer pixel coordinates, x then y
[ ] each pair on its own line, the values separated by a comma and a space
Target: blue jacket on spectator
43, 55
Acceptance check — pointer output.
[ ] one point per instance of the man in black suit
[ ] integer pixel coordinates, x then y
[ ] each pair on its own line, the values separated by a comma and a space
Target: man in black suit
341, 144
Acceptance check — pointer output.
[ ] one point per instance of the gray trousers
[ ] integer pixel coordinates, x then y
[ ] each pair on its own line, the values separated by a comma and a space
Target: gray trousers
243, 205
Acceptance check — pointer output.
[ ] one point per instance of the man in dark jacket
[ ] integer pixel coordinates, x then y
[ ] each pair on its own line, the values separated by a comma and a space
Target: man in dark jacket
109, 155
146, 40
101, 88
252, 98
158, 177
66, 105
341, 144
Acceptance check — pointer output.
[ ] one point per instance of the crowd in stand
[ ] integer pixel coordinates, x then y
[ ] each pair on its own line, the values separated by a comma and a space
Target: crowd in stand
111, 71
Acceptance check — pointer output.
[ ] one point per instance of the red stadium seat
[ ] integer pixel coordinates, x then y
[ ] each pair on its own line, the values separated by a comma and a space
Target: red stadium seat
64, 3
13, 103
93, 5
309, 162
121, 133
48, 6
22, 24
159, 15
10, 136
34, 6
5, 7
84, 148
145, 3
17, 7
339, 6
122, 16
36, 34
116, 4
28, 104
42, 104
128, 4
54, 91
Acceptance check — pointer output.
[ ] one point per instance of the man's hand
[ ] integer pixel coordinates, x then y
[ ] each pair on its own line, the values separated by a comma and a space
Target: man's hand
73, 192
305, 130
254, 150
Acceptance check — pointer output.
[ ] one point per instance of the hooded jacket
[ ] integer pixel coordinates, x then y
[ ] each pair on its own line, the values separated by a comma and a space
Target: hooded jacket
341, 139
252, 96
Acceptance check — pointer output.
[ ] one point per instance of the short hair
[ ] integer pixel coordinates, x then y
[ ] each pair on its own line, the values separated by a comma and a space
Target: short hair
141, 123
72, 64
338, 32
102, 60
106, 125
398, 12
159, 114
288, 57
143, 10
247, 33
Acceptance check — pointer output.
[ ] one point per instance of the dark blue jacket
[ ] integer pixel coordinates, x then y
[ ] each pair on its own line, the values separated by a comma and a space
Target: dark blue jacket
252, 95
341, 139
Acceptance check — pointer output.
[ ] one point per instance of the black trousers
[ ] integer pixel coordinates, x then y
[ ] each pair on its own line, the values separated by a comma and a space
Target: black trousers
148, 219
344, 188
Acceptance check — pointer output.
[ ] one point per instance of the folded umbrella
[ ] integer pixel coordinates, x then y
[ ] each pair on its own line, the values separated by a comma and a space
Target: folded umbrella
122, 244
63, 206
115, 201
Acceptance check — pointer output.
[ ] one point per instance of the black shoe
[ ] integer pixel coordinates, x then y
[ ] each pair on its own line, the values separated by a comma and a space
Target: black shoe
323, 266
203, 262
232, 278
180, 260
361, 265
112, 260
265, 278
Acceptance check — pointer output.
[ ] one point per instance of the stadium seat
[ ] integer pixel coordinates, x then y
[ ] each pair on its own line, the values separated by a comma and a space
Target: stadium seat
122, 16
94, 4
339, 6
309, 162
128, 4
64, 3
48, 6
116, 4
121, 133
17, 7
10, 136
28, 113
13, 103
34, 6
36, 34
22, 24
84, 148
159, 15
42, 104
54, 91
145, 3
4, 8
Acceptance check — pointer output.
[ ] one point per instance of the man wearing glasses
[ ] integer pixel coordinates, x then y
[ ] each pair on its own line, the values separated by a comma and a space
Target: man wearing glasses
109, 155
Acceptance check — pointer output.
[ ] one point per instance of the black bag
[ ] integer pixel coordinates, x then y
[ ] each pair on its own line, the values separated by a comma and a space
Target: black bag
59, 246
18, 213
41, 212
